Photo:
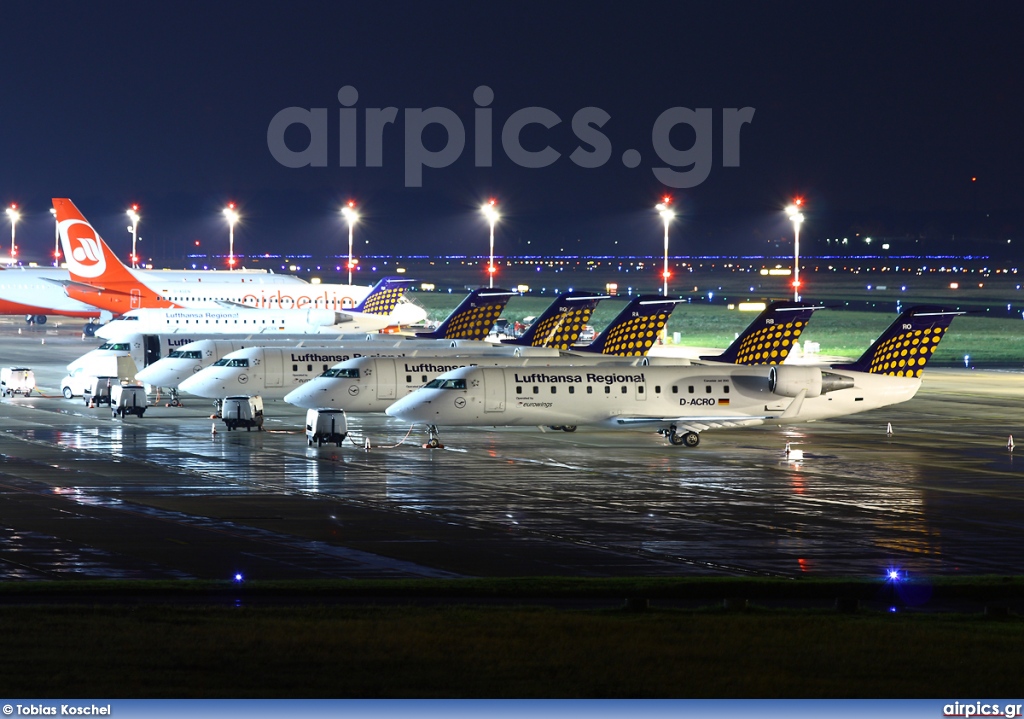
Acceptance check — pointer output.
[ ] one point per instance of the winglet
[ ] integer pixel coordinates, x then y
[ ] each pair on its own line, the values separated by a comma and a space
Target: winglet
384, 296
770, 337
908, 343
561, 323
635, 330
474, 317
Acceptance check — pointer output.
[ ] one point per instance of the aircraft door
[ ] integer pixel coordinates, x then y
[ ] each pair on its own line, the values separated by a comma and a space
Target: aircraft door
385, 378
494, 390
136, 299
151, 343
273, 367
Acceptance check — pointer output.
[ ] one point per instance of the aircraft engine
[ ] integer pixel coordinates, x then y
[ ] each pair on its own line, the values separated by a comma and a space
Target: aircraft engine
325, 318
788, 381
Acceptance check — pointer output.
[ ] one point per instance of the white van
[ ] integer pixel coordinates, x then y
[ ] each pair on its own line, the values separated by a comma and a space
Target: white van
326, 425
242, 412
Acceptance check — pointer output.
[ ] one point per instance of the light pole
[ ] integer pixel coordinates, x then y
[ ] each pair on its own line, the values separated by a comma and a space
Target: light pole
56, 238
232, 218
797, 218
133, 214
491, 213
667, 215
351, 216
12, 212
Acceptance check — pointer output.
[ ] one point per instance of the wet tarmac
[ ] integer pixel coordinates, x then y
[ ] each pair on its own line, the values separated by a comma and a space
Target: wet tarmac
85, 495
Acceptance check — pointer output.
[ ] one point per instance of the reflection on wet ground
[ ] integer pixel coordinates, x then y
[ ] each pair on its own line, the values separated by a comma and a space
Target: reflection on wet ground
84, 495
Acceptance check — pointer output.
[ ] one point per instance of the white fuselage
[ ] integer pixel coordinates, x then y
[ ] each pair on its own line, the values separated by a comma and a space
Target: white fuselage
28, 290
698, 397
372, 384
243, 321
273, 373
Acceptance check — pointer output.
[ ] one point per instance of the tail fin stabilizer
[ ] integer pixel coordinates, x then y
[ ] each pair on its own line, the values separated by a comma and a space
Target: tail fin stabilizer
908, 343
770, 337
561, 323
474, 317
384, 296
91, 263
635, 330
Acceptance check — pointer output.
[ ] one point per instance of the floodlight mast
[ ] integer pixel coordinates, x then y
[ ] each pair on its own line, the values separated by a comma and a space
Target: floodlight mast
491, 213
133, 215
351, 216
667, 215
14, 215
232, 217
797, 218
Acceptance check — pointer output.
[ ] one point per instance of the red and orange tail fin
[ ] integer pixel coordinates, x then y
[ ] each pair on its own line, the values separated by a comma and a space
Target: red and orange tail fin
91, 262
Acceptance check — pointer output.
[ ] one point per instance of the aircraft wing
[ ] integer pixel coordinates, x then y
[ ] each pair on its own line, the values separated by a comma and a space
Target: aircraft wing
697, 424
82, 287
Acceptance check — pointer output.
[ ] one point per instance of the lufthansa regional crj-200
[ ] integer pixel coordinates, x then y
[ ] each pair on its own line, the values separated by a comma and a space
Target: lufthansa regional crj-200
372, 385
463, 330
272, 372
681, 402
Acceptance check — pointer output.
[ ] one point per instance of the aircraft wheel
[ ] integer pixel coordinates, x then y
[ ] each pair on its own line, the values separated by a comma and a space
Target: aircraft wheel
89, 330
691, 439
569, 428
433, 443
40, 319
676, 439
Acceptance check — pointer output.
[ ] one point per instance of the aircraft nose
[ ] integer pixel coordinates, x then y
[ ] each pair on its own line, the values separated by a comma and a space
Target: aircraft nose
300, 397
406, 409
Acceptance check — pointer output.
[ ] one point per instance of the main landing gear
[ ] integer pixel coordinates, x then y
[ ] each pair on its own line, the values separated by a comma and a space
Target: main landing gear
688, 439
432, 439
563, 427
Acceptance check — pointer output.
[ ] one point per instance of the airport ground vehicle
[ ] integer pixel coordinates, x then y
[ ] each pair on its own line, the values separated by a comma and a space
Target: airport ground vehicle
326, 425
242, 411
127, 399
82, 375
100, 391
17, 380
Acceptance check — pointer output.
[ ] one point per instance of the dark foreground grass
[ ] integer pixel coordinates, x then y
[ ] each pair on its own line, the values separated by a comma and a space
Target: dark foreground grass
473, 651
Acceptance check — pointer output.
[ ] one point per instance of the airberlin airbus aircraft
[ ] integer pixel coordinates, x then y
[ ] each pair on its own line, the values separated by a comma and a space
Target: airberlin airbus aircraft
100, 279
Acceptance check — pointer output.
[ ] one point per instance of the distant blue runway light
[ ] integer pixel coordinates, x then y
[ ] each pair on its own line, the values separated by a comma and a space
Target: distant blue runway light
238, 577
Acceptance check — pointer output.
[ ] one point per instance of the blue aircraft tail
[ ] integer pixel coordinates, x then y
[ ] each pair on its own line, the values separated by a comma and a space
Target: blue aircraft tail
635, 330
770, 337
384, 296
474, 317
561, 323
907, 345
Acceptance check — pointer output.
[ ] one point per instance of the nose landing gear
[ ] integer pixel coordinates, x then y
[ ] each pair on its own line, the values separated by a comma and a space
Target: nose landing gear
433, 442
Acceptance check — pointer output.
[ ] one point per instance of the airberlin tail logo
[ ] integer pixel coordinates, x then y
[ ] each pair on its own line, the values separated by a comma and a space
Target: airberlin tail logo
83, 248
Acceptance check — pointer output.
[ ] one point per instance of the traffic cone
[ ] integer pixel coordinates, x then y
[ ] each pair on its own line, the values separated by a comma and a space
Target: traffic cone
1009, 443
213, 429
888, 429
366, 443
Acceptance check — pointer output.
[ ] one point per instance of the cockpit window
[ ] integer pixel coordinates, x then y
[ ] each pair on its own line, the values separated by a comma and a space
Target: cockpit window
186, 354
343, 372
440, 383
121, 346
226, 362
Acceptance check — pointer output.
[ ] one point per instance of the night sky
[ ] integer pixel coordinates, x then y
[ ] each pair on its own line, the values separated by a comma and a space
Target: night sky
879, 114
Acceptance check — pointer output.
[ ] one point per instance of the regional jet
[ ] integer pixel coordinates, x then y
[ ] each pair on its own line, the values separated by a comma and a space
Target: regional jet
681, 402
